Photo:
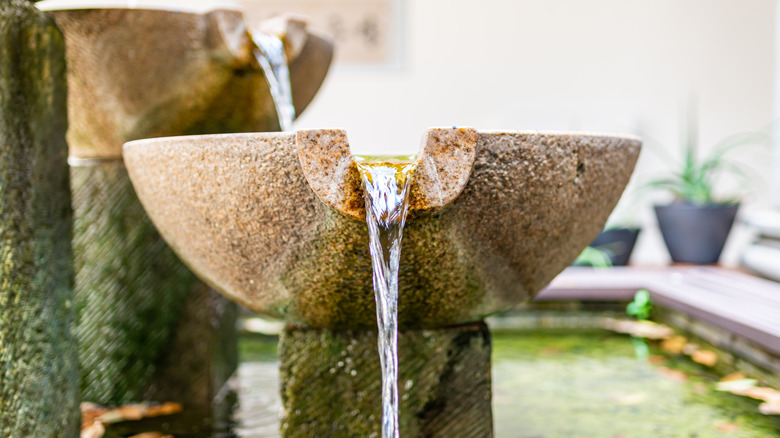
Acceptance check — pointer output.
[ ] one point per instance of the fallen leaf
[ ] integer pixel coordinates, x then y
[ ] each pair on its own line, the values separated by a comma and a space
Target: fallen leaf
123, 413
736, 386
94, 430
657, 360
89, 412
168, 408
769, 409
92, 413
674, 345
551, 351
769, 395
728, 427
739, 375
151, 435
673, 374
705, 357
640, 329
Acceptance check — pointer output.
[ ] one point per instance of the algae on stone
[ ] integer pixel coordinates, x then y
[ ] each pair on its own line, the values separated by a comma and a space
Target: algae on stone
130, 287
38, 364
331, 383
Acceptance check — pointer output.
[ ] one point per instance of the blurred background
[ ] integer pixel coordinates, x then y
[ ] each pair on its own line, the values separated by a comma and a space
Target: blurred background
653, 68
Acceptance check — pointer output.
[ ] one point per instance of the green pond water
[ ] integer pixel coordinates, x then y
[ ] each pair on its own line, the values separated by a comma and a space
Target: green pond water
545, 385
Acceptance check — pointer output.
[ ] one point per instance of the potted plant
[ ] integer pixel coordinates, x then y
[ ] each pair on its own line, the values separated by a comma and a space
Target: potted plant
697, 222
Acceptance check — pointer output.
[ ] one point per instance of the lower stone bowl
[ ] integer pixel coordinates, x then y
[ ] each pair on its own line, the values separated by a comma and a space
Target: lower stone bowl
275, 221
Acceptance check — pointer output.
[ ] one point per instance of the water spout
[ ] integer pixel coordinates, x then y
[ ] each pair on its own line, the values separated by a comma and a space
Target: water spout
386, 187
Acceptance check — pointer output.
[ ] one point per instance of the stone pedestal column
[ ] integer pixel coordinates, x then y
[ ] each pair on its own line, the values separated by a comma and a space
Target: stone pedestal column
331, 383
133, 298
38, 364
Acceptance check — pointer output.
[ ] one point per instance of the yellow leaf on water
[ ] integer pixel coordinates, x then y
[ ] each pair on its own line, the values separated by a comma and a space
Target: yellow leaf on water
739, 375
641, 329
122, 413
674, 345
168, 408
673, 374
94, 430
769, 409
151, 435
769, 395
728, 427
705, 357
736, 386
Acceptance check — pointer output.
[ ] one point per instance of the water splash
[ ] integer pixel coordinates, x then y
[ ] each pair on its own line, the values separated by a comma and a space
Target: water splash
272, 59
386, 184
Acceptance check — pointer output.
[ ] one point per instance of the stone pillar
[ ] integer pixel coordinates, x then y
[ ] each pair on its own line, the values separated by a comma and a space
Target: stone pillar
38, 364
202, 356
141, 329
331, 383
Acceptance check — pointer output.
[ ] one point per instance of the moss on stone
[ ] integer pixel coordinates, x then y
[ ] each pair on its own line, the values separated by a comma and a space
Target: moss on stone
38, 365
331, 383
130, 287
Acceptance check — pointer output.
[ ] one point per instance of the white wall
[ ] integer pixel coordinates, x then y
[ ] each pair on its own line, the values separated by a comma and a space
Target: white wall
596, 65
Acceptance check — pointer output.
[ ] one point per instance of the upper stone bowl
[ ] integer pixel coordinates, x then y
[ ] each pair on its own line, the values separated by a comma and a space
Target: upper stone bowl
275, 221
149, 68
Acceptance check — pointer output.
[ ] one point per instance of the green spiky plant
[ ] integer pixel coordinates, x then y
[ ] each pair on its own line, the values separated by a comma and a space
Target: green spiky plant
695, 178
694, 181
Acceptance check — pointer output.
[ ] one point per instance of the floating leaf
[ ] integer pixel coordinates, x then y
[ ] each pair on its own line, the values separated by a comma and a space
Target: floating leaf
769, 395
673, 374
735, 386
674, 345
728, 427
769, 409
641, 329
705, 357
739, 375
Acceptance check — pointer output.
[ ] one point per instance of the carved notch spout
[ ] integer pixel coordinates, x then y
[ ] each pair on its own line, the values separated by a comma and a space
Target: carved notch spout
444, 165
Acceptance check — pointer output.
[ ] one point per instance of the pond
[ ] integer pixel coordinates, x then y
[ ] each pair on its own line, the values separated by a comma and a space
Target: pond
546, 384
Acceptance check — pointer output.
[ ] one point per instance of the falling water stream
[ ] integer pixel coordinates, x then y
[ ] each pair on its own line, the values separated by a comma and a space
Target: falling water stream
386, 184
272, 59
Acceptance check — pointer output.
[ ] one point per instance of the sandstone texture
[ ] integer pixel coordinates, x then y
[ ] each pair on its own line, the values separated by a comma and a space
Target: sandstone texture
38, 365
331, 383
273, 221
139, 73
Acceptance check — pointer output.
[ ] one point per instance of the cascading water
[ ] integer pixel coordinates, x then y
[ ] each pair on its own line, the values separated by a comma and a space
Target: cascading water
272, 59
386, 186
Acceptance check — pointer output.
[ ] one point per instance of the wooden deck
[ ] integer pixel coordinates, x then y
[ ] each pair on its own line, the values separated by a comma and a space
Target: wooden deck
740, 303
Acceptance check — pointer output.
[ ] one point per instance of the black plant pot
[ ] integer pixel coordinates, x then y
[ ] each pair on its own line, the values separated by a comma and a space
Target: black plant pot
695, 233
617, 243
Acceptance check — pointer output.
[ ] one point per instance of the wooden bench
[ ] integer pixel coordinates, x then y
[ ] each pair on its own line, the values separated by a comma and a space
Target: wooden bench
741, 304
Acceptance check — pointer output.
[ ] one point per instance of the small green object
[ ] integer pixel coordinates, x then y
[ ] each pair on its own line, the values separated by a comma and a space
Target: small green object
642, 306
593, 257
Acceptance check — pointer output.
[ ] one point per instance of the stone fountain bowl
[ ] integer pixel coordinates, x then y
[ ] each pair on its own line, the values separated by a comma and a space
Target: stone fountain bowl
140, 69
275, 221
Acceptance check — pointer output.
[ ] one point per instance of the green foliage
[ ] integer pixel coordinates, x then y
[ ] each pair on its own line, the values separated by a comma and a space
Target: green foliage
695, 178
642, 306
